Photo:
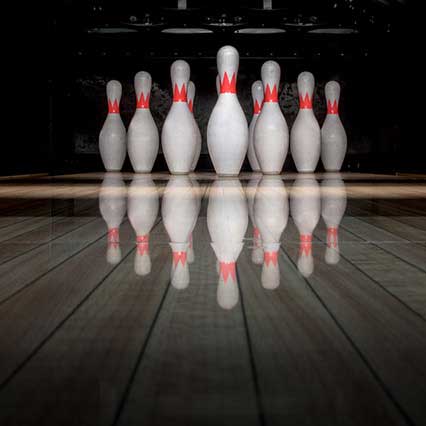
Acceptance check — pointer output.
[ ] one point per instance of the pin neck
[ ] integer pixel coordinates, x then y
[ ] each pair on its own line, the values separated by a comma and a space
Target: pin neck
271, 95
305, 247
143, 101
113, 107
332, 108
305, 102
180, 95
228, 86
179, 256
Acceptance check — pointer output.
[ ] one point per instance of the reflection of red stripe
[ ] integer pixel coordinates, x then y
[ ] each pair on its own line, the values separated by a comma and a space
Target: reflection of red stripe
332, 238
305, 102
179, 256
271, 96
142, 243
179, 95
332, 108
271, 256
305, 244
257, 108
113, 237
227, 86
143, 102
113, 107
227, 269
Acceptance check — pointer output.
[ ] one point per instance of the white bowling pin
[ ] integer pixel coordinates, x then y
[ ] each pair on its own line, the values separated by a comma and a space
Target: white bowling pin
271, 215
227, 129
191, 96
271, 131
112, 138
257, 251
227, 220
142, 210
333, 135
257, 96
112, 205
179, 212
305, 207
142, 137
333, 206
178, 136
305, 136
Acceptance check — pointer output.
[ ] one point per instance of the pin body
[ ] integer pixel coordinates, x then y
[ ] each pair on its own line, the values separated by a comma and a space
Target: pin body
271, 131
191, 98
227, 220
333, 206
178, 136
112, 138
257, 95
271, 215
142, 211
305, 136
142, 137
112, 205
333, 135
227, 129
305, 208
179, 212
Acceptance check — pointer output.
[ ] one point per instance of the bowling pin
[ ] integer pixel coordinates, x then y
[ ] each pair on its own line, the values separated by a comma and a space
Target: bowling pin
333, 135
227, 220
112, 205
271, 131
257, 251
227, 129
333, 206
178, 136
271, 215
179, 212
142, 211
305, 136
142, 137
257, 95
112, 138
305, 207
191, 96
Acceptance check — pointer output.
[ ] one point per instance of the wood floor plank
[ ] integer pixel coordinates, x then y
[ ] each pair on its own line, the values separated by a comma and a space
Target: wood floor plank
81, 373
308, 372
196, 368
404, 280
25, 269
389, 336
30, 316
42, 235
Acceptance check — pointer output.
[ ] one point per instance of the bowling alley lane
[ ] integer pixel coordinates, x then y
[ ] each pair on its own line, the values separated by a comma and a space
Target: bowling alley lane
153, 299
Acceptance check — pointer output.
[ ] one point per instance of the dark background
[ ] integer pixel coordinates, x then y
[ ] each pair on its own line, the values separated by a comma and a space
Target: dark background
91, 42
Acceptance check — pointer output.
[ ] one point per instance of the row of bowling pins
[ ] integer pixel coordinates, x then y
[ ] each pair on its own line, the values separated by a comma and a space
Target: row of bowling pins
229, 139
142, 139
264, 200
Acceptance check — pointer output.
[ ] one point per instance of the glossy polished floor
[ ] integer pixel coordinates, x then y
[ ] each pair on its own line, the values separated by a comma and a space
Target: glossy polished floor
152, 300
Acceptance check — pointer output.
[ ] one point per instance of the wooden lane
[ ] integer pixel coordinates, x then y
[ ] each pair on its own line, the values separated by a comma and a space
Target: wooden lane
414, 253
80, 375
26, 269
308, 372
384, 266
388, 336
196, 367
29, 318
